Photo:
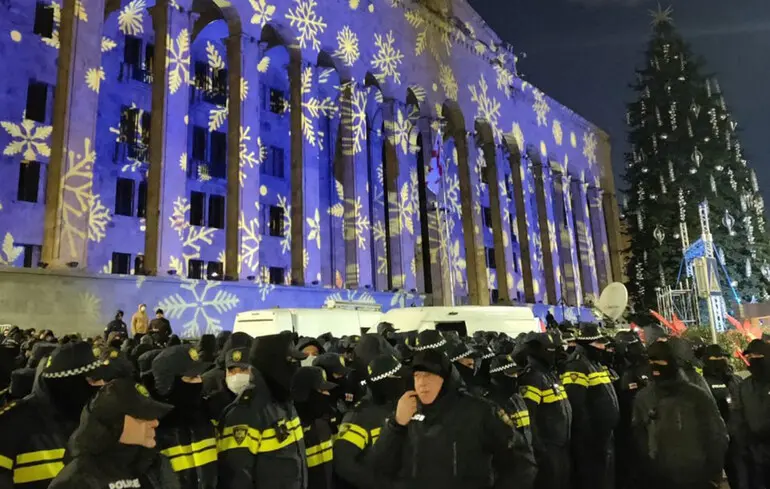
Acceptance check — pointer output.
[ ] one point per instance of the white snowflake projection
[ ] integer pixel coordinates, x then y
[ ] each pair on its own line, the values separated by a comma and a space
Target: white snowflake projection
213, 58
247, 157
218, 116
558, 133
94, 78
518, 136
347, 46
354, 116
77, 183
589, 147
108, 44
193, 237
178, 60
504, 76
98, 218
201, 307
313, 108
431, 36
361, 223
309, 24
337, 210
448, 82
28, 138
244, 89
264, 287
90, 306
10, 252
250, 242
314, 229
264, 64
541, 108
387, 59
131, 17
352, 295
183, 162
487, 108
400, 133
107, 268
263, 12
283, 204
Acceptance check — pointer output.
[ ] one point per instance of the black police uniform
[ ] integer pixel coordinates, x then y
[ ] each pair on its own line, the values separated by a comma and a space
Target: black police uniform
35, 430
634, 378
595, 415
100, 461
751, 416
260, 435
550, 414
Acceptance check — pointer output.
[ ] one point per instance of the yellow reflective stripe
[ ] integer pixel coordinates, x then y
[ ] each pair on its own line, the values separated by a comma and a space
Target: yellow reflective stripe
533, 394
521, 418
198, 459
549, 396
699, 370
354, 434
375, 435
39, 456
574, 378
271, 443
229, 443
6, 463
187, 449
320, 454
34, 473
599, 378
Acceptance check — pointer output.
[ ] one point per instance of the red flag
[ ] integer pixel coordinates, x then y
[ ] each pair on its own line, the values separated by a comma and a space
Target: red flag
663, 321
739, 354
679, 325
746, 329
542, 326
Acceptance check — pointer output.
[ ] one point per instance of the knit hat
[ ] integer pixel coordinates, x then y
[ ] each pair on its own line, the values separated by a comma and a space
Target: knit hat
70, 360
433, 361
382, 367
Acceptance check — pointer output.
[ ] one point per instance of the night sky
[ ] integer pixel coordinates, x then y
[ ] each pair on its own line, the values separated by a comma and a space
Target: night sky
583, 54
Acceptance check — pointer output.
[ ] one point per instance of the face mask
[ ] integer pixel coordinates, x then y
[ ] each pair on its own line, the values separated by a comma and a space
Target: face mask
664, 372
142, 309
308, 362
716, 367
237, 383
570, 349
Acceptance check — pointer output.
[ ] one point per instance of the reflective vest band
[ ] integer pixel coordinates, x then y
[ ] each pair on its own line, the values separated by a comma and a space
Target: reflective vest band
188, 449
259, 441
6, 463
521, 418
39, 456
35, 473
198, 459
575, 378
352, 433
599, 378
320, 454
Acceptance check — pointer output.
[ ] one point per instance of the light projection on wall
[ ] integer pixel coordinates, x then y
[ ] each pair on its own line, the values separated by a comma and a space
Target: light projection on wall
589, 147
29, 139
263, 12
387, 59
487, 106
541, 107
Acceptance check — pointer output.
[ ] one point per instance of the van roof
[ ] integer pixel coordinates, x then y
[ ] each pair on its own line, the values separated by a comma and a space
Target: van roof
412, 318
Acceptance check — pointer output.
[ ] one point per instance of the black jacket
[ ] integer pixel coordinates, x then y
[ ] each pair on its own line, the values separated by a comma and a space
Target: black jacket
360, 429
680, 437
320, 454
458, 442
752, 412
188, 438
99, 461
162, 327
725, 390
516, 409
116, 325
261, 442
33, 425
550, 413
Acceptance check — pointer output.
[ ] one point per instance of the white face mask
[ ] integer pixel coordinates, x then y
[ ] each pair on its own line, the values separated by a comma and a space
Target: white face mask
237, 383
308, 362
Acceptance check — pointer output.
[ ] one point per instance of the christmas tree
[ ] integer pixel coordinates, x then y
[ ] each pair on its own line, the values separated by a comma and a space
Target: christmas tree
685, 150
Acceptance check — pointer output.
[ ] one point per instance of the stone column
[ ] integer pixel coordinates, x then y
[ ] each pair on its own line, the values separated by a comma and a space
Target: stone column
168, 227
535, 248
470, 185
69, 220
500, 207
566, 233
306, 239
589, 281
373, 146
245, 153
548, 236
599, 230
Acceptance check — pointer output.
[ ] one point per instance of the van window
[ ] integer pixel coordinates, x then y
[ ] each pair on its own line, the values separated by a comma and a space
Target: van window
457, 326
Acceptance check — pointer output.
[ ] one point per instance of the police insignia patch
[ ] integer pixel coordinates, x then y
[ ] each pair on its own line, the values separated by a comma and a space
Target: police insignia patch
239, 434
114, 354
142, 390
96, 351
237, 355
194, 354
342, 360
574, 377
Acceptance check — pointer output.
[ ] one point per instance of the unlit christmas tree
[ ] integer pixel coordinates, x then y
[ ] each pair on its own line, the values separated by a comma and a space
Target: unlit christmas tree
684, 150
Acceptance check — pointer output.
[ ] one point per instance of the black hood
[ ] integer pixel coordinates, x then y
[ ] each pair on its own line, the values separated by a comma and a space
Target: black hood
368, 348
96, 435
270, 357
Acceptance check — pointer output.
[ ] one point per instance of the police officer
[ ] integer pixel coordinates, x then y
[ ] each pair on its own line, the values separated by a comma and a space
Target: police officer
464, 360
595, 411
114, 446
310, 392
725, 387
214, 379
187, 436
505, 393
333, 364
260, 434
688, 363
361, 426
442, 437
550, 413
35, 430
752, 414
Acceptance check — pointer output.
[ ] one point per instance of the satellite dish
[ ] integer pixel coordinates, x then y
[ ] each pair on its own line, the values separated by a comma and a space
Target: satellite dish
613, 301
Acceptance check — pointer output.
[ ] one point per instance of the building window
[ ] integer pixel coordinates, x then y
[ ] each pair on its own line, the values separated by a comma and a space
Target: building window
124, 197
37, 101
276, 275
29, 181
141, 201
214, 270
195, 269
491, 263
515, 262
217, 211
509, 185
484, 174
218, 167
495, 296
137, 62
31, 255
275, 221
197, 210
121, 263
486, 213
274, 164
44, 20
139, 265
135, 129
277, 101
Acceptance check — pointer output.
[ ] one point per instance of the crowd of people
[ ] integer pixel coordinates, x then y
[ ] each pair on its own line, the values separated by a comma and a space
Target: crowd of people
564, 409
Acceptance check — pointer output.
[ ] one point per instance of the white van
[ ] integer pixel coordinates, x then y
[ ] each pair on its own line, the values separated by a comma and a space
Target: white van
466, 320
307, 322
